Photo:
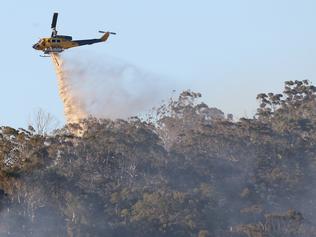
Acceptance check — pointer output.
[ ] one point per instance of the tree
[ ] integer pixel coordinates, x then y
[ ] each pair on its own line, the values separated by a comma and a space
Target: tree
43, 122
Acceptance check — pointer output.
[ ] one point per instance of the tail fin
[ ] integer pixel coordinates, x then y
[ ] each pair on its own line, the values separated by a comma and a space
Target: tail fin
105, 36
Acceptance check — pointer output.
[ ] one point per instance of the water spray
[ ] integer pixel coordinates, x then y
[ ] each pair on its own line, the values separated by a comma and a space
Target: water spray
74, 111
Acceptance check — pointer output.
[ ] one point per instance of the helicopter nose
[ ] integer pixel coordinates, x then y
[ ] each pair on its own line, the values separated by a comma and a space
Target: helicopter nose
35, 46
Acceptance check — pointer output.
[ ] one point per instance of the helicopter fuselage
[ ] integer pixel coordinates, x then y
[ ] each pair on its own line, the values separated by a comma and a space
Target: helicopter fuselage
59, 43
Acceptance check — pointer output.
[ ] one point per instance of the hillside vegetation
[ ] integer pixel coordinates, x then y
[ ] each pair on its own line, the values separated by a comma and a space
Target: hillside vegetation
186, 171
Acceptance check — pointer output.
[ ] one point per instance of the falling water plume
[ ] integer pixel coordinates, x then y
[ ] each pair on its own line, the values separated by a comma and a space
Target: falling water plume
73, 109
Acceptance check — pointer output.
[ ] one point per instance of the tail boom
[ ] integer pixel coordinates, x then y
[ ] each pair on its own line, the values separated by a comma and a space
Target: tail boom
104, 38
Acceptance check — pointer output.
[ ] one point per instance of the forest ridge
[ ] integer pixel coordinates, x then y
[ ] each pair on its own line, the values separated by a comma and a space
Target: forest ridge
187, 170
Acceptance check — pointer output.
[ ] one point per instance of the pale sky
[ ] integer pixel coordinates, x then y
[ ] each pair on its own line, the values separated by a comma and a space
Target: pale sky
227, 50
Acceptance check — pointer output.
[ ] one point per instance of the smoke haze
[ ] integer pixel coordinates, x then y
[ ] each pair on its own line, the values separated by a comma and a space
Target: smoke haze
107, 89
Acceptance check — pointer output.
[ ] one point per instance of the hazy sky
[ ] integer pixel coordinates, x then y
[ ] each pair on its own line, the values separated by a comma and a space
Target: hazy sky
228, 50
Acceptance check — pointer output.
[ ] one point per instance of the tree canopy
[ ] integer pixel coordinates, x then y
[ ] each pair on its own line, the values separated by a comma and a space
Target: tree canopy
186, 171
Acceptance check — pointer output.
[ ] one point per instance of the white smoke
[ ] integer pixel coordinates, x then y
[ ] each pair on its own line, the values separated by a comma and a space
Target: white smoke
107, 89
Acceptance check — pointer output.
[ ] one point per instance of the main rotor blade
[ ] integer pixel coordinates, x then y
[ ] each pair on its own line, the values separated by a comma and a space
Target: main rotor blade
54, 21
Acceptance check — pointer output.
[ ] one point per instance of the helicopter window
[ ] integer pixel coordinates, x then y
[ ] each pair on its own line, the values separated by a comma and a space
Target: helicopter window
54, 41
58, 41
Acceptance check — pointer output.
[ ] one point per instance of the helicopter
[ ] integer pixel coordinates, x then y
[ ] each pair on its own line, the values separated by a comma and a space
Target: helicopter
58, 43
